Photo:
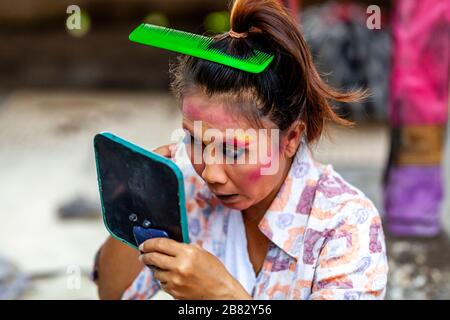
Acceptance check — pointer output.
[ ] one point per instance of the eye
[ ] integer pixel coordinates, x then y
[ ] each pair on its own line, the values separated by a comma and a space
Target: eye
232, 152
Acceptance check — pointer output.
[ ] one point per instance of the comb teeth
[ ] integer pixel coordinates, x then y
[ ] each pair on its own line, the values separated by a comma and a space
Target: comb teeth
198, 46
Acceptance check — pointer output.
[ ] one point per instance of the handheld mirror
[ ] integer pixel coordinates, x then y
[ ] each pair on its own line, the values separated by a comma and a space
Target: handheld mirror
142, 192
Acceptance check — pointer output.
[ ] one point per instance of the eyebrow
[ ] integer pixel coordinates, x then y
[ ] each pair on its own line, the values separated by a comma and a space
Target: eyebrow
240, 143
235, 141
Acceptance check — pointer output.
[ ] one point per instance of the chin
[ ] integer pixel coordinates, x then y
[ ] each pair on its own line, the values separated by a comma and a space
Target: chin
239, 205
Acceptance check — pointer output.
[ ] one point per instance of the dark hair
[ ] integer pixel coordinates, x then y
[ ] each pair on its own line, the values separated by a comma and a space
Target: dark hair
290, 89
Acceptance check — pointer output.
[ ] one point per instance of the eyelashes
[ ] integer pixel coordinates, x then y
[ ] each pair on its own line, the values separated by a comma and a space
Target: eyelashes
230, 151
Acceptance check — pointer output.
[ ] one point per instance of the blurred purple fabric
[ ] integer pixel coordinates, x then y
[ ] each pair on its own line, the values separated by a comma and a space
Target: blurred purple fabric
414, 196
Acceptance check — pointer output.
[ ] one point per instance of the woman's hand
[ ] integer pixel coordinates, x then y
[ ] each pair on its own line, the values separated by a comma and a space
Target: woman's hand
187, 271
166, 150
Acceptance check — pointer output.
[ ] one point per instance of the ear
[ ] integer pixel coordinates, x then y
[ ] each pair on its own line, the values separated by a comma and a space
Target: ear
292, 138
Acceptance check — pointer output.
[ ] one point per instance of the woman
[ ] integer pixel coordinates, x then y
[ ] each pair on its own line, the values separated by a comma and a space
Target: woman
297, 232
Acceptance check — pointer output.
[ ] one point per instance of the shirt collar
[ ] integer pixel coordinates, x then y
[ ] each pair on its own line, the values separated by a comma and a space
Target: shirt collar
285, 220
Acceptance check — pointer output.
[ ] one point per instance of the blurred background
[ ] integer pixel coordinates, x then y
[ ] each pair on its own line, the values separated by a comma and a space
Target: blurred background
59, 87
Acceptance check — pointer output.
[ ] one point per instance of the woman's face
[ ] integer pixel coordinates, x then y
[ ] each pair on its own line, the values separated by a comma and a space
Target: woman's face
237, 181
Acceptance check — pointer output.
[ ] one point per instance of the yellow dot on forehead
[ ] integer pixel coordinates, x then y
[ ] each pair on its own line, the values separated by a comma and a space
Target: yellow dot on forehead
244, 136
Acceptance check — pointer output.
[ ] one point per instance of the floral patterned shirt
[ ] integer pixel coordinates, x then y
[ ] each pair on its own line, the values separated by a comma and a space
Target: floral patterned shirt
326, 237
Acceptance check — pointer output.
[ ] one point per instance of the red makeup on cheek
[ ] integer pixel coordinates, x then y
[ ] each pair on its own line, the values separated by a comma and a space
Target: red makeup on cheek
254, 175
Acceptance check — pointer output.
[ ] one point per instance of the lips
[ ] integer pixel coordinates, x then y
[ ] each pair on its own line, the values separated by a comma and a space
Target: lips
228, 198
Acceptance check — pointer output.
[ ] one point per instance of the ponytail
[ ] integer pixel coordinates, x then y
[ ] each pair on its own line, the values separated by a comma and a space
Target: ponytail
289, 90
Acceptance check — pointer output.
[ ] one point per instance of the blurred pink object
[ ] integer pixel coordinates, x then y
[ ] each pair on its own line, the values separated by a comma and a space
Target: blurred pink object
293, 6
420, 65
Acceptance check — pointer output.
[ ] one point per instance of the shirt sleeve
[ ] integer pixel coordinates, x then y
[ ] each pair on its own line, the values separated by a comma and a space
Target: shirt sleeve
144, 287
352, 263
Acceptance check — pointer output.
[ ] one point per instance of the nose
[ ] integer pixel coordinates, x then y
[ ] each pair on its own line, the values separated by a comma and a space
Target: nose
214, 173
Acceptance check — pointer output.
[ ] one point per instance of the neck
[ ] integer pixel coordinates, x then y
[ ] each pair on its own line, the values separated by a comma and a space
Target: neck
255, 213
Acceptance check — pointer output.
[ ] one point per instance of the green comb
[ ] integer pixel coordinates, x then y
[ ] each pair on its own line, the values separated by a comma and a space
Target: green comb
198, 46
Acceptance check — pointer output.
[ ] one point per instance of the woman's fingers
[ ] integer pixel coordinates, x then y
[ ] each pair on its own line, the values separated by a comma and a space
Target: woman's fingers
159, 260
163, 245
161, 275
165, 151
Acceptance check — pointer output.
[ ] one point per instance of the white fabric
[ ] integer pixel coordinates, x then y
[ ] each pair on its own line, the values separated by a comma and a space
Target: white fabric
236, 258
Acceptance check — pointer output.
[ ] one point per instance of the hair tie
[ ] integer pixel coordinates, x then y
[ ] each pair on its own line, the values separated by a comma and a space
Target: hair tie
237, 35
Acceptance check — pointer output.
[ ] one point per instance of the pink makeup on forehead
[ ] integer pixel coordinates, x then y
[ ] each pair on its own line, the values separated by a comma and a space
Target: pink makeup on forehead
215, 115
192, 111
